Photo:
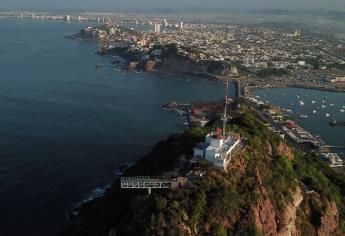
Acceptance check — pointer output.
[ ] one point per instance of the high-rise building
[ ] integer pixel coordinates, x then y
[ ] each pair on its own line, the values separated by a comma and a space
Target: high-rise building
181, 25
157, 28
68, 17
165, 22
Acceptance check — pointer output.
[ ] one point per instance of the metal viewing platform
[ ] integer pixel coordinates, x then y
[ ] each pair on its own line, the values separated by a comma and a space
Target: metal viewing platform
145, 182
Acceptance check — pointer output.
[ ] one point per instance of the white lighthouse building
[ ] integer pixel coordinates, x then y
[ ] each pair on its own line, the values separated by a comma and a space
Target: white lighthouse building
216, 148
218, 145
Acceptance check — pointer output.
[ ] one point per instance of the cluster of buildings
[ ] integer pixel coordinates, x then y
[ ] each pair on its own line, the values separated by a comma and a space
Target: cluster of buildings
279, 123
307, 55
202, 112
257, 49
303, 55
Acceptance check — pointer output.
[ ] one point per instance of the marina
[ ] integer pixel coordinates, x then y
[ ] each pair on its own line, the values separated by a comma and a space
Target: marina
316, 117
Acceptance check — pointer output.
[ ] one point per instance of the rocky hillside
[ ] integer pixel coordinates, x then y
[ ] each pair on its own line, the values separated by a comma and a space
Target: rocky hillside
168, 58
268, 189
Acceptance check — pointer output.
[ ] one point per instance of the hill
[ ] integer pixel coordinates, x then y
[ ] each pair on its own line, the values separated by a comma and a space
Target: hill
269, 188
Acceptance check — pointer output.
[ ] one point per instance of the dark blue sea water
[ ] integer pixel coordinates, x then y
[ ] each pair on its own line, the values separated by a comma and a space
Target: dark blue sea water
65, 126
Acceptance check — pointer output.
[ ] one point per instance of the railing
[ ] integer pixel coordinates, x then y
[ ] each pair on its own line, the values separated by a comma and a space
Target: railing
144, 182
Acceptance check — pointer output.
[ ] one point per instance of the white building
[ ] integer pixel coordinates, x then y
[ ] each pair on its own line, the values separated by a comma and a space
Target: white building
157, 28
338, 79
216, 149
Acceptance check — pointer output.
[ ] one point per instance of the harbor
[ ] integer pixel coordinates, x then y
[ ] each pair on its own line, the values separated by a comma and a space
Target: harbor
307, 118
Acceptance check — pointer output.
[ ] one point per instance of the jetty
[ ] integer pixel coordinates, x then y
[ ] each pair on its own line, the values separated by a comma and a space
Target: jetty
334, 147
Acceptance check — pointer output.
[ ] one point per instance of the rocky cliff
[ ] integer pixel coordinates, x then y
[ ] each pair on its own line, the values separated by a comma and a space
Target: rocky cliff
167, 58
268, 189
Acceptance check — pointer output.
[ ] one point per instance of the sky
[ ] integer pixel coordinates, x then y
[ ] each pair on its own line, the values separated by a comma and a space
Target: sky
174, 4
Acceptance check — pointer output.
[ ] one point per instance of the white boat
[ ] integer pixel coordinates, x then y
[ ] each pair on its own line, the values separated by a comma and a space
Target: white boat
327, 115
342, 111
301, 103
289, 110
313, 102
323, 101
331, 104
302, 116
314, 112
323, 106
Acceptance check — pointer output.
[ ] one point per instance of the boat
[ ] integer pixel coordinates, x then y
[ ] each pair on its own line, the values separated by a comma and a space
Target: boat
331, 104
323, 106
289, 110
327, 115
342, 110
314, 112
302, 116
313, 102
334, 123
301, 103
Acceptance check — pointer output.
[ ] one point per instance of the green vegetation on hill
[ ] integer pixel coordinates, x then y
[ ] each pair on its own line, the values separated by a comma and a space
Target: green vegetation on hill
263, 178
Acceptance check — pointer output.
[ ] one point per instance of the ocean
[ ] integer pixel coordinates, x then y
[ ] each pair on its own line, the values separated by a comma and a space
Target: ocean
65, 126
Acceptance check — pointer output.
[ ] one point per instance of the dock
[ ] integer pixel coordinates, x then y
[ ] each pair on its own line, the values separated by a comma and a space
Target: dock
335, 123
334, 147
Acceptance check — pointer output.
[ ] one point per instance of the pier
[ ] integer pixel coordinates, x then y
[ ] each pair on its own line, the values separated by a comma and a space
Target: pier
334, 147
335, 123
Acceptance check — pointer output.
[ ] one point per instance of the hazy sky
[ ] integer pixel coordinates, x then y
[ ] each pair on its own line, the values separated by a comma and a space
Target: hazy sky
147, 4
